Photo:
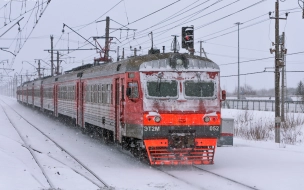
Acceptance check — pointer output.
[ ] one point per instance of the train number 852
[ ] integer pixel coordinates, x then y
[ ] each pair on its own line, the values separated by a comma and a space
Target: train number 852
214, 128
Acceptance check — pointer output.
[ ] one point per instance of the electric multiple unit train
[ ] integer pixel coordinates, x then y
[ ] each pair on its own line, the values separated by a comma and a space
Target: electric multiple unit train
165, 107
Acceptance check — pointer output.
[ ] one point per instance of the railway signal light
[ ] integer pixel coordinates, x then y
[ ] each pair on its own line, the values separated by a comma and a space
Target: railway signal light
188, 37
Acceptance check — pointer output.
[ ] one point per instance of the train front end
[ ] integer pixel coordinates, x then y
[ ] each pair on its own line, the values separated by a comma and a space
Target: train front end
182, 112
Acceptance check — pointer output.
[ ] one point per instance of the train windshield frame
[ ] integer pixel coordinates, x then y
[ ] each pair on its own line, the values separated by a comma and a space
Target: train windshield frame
162, 89
199, 89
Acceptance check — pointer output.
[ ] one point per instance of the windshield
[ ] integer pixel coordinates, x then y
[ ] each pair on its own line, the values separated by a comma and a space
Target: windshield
162, 88
199, 89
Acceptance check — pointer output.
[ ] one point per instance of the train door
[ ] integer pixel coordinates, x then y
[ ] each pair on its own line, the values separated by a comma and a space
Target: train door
79, 102
56, 100
119, 107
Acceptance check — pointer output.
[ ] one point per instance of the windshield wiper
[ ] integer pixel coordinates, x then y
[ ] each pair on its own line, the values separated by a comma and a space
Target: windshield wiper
158, 85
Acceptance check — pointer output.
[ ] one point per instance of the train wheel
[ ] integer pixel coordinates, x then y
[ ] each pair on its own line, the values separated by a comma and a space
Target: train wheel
106, 137
140, 153
83, 130
144, 156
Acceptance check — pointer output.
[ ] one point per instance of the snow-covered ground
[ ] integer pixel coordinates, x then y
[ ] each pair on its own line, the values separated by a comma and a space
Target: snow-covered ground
262, 165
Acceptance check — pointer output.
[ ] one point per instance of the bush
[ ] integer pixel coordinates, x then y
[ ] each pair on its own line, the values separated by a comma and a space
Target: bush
291, 132
246, 126
250, 127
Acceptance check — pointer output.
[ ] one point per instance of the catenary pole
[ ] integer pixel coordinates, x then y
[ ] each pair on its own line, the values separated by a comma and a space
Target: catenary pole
238, 91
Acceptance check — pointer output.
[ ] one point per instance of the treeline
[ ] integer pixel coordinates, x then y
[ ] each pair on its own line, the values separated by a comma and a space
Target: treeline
247, 90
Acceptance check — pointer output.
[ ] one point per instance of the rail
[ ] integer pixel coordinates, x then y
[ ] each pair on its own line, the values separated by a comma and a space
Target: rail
262, 105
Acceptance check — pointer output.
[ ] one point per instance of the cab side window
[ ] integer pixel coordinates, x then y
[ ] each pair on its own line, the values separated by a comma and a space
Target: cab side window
132, 90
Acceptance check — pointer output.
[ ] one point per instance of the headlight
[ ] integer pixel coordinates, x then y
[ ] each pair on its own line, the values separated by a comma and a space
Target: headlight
206, 119
179, 62
157, 119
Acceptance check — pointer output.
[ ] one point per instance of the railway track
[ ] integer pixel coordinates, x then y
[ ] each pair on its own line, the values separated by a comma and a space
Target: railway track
226, 178
179, 173
97, 181
203, 179
179, 178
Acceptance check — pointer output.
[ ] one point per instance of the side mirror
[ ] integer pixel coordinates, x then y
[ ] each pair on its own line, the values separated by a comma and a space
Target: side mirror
128, 92
223, 95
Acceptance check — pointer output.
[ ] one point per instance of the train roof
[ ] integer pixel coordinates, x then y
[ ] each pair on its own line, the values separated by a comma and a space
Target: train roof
136, 64
129, 65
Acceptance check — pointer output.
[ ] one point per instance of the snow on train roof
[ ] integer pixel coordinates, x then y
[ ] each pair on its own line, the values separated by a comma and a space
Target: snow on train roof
193, 65
153, 62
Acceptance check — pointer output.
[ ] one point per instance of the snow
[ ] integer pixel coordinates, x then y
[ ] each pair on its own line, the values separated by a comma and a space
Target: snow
153, 114
259, 164
213, 114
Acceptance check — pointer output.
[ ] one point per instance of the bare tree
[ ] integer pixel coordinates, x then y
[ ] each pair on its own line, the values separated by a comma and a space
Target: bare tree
300, 90
246, 90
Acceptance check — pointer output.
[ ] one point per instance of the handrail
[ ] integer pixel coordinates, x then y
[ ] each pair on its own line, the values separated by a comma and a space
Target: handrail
262, 105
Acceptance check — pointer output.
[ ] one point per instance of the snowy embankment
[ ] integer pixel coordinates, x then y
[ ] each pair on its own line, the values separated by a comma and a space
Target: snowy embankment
259, 164
255, 156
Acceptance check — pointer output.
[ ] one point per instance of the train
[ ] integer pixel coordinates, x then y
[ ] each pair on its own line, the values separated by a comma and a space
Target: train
164, 108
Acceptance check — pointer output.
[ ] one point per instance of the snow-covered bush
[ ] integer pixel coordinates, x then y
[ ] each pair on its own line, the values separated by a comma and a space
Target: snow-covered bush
292, 129
251, 128
257, 127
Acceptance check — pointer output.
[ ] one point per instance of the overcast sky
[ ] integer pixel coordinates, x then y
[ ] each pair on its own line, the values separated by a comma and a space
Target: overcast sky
211, 19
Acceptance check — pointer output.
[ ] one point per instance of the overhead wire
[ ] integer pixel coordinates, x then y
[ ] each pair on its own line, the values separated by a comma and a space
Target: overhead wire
258, 59
35, 37
175, 15
217, 19
24, 14
25, 25
85, 25
242, 27
148, 15
234, 26
227, 55
199, 27
154, 12
184, 18
300, 4
235, 47
144, 16
166, 19
126, 11
128, 40
40, 16
247, 26
259, 72
77, 48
